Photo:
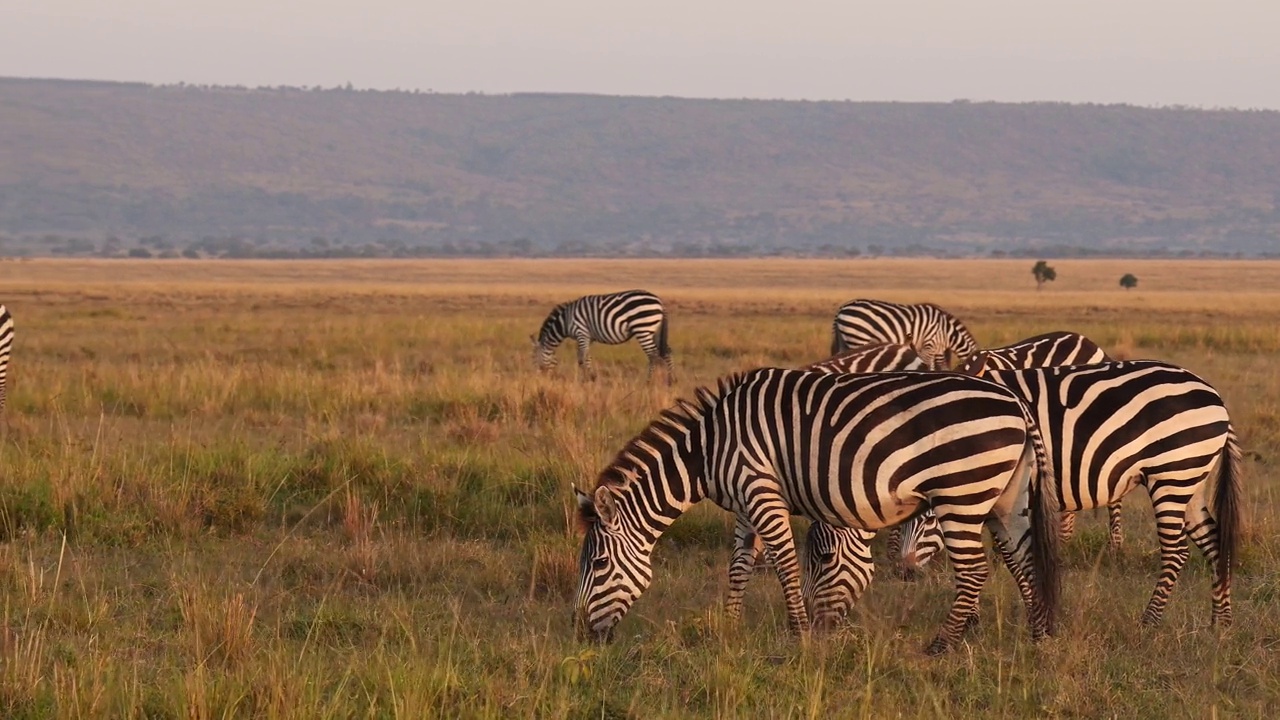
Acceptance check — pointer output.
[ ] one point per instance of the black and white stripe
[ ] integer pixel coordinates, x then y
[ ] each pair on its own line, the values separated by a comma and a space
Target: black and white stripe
1116, 426
611, 319
1049, 350
855, 569
6, 345
861, 451
879, 357
935, 333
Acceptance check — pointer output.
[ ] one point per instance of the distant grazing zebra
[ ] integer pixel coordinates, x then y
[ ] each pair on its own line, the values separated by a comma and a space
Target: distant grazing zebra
1115, 426
1049, 350
934, 332
6, 345
611, 319
747, 546
862, 451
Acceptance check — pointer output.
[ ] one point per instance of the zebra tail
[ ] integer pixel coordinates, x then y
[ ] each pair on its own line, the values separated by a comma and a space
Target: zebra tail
1226, 504
1045, 527
664, 350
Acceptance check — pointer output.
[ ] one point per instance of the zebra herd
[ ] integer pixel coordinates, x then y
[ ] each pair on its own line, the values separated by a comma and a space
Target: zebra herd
882, 435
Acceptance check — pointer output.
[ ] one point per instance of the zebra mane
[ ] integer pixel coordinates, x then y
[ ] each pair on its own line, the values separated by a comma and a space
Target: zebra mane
679, 419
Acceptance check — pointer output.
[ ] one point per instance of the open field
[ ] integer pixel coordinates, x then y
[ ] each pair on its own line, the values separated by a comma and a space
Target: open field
339, 489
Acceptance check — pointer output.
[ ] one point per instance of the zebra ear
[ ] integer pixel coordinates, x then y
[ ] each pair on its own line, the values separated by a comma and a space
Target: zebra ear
586, 509
606, 505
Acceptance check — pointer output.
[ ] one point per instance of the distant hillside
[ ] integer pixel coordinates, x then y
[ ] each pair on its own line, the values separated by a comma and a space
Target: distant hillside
102, 167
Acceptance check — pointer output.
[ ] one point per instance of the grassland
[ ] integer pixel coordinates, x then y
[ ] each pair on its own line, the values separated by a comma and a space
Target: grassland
339, 489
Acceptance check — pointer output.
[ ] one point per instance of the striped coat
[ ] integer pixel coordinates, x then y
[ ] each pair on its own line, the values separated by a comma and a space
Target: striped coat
935, 333
6, 346
1049, 350
854, 574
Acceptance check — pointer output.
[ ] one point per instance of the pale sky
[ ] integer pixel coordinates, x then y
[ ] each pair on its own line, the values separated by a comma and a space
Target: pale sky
1209, 53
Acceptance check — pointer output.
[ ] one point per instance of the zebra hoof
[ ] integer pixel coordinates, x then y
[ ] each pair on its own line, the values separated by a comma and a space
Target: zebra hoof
972, 622
939, 646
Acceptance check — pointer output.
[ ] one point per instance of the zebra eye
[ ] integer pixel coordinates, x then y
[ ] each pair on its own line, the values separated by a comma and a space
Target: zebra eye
826, 556
600, 563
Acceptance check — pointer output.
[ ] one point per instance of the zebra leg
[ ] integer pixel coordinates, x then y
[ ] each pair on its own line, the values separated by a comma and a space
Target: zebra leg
771, 519
893, 548
671, 369
1113, 524
1203, 530
1068, 524
584, 358
746, 549
969, 564
1171, 528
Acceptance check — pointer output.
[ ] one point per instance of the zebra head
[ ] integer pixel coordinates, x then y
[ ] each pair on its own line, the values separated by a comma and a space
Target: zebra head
921, 540
614, 568
838, 567
932, 348
553, 332
960, 342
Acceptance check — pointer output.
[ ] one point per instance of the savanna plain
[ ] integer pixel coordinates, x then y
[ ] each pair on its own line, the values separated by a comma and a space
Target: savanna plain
341, 489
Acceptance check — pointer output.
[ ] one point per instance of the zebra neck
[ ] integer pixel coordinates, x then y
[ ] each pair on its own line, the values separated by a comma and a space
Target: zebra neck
648, 516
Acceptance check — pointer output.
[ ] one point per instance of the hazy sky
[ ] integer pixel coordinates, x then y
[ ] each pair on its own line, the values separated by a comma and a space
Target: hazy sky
1149, 52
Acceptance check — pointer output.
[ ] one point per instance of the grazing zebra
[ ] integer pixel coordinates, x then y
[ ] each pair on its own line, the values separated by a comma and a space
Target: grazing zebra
6, 344
934, 332
862, 451
1115, 426
1049, 350
611, 319
747, 546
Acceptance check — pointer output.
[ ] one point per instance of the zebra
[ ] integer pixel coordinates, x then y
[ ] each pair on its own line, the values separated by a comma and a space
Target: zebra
6, 345
1114, 426
1050, 349
862, 451
936, 333
747, 546
611, 319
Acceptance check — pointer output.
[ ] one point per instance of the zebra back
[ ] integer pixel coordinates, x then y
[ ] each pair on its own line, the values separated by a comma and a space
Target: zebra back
6, 345
1047, 350
882, 357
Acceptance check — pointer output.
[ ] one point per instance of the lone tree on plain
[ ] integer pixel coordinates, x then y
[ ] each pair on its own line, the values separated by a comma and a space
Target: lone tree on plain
1043, 273
1129, 281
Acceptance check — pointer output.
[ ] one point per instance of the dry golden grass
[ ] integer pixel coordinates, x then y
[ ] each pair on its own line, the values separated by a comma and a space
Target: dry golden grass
277, 489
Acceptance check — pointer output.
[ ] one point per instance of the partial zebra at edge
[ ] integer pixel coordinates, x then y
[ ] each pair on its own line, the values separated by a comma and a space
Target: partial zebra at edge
6, 346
